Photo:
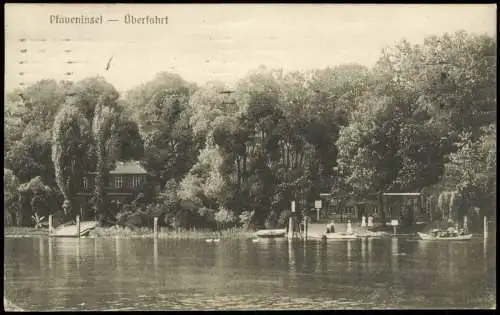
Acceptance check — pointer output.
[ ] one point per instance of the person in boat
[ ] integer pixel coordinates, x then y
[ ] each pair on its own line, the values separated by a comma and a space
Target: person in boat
451, 232
363, 223
349, 227
435, 232
444, 233
330, 227
370, 222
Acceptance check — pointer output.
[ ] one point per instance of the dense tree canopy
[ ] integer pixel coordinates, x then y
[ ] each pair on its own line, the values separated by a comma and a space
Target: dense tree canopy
423, 117
160, 108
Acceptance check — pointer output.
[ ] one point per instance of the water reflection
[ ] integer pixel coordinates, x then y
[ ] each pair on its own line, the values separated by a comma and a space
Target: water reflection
291, 257
363, 255
348, 254
363, 249
155, 254
41, 247
485, 256
394, 246
78, 256
95, 249
51, 260
324, 256
305, 250
150, 274
117, 252
370, 254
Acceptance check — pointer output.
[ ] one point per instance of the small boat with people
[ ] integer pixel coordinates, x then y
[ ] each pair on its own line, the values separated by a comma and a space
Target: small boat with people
271, 233
450, 234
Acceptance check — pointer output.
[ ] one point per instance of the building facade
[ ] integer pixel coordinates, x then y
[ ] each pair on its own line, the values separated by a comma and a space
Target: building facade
125, 183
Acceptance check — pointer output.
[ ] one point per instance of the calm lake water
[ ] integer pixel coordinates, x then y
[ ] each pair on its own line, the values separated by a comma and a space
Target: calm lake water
147, 274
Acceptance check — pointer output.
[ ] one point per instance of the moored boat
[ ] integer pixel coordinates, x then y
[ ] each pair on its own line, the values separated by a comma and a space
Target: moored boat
271, 233
71, 230
425, 236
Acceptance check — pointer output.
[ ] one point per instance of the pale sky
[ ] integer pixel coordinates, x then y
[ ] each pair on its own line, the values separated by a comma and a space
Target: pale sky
218, 41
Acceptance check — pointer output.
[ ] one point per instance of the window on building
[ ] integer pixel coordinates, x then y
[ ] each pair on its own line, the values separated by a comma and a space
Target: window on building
136, 181
85, 183
118, 182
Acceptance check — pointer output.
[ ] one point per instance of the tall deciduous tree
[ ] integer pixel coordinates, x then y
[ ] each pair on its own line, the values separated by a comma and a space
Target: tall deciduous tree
101, 129
70, 141
29, 116
421, 98
472, 170
161, 109
11, 198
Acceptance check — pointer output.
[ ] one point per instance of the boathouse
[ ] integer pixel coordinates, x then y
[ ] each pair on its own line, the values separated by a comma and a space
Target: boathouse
125, 182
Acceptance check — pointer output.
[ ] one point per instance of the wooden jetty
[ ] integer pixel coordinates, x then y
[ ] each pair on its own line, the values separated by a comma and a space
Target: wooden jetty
72, 230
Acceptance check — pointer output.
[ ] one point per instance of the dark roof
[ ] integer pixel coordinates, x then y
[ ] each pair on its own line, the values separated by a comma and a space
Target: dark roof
128, 167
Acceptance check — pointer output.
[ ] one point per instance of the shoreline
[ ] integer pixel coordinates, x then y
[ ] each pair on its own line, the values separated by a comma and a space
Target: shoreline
113, 232
163, 233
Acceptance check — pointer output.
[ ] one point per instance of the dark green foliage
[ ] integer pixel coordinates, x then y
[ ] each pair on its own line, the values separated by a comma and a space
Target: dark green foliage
423, 118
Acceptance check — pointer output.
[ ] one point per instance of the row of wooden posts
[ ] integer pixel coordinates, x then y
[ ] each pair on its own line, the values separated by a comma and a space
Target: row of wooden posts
291, 227
291, 224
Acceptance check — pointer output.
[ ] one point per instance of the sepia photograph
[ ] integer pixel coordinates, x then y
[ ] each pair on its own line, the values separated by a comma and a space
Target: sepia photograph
209, 157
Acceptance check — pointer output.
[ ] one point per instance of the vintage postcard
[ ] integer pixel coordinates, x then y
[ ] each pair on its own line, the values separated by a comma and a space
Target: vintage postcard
249, 157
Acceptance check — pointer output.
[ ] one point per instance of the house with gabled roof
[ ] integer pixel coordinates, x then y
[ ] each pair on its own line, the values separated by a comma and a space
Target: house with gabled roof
125, 182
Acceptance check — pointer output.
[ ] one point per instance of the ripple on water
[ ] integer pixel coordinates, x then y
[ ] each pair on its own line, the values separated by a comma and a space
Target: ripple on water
243, 277
247, 302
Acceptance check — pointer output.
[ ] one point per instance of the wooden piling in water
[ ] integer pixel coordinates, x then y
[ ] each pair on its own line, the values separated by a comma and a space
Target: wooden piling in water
155, 227
290, 221
290, 227
485, 227
78, 226
305, 228
50, 224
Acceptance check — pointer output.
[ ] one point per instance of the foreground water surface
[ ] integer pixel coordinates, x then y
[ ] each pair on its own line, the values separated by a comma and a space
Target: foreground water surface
147, 274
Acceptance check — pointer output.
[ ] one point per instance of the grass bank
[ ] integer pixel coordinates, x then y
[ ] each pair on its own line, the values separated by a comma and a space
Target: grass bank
117, 231
20, 231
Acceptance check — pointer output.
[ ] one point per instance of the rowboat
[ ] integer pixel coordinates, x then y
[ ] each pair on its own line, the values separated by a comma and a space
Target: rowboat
71, 229
271, 233
425, 236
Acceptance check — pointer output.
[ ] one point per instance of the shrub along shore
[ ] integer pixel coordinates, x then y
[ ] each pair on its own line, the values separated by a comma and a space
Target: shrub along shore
168, 233
421, 119
163, 232
119, 231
